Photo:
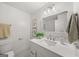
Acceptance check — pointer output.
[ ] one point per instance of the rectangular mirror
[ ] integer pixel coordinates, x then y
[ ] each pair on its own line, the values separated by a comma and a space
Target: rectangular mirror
49, 23
55, 23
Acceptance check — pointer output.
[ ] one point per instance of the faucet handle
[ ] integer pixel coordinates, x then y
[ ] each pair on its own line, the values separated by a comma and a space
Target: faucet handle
53, 39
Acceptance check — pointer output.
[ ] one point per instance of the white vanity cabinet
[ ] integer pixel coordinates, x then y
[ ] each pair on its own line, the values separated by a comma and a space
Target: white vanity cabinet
39, 51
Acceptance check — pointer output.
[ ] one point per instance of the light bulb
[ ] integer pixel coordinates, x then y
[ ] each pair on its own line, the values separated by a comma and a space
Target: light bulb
48, 10
54, 9
45, 12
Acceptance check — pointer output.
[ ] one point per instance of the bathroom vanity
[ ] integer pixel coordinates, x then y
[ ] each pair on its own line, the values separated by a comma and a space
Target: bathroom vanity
39, 48
55, 27
40, 51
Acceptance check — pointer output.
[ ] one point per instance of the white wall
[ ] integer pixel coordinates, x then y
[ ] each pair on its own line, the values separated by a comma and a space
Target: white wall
60, 7
20, 28
76, 7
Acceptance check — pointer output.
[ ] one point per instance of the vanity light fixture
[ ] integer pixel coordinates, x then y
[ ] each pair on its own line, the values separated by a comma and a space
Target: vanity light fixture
50, 9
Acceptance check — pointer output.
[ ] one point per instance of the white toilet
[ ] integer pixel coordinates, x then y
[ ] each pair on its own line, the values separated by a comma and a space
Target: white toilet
6, 48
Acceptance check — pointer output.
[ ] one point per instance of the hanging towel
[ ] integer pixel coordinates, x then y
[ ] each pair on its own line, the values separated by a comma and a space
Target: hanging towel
4, 31
72, 29
77, 19
1, 32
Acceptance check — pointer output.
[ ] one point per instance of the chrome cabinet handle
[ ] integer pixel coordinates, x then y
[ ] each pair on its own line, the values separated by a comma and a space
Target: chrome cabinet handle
34, 53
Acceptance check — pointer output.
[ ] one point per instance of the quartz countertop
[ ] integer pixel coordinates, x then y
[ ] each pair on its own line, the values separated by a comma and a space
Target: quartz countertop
63, 50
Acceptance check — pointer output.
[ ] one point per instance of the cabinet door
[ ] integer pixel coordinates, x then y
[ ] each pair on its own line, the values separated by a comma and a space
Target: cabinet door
38, 51
33, 50
42, 52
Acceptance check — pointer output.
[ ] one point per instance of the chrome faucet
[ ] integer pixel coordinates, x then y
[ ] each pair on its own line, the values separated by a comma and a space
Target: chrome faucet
50, 37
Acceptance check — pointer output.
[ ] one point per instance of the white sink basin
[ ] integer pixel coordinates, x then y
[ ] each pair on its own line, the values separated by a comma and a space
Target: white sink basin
50, 42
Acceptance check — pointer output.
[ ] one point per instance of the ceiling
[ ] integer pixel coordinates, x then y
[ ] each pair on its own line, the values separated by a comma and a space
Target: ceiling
29, 7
